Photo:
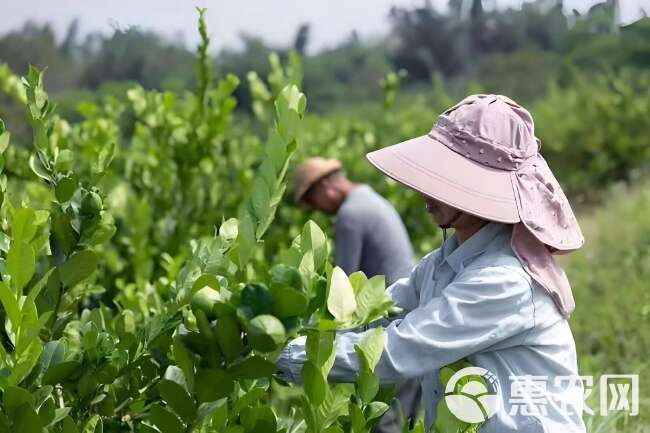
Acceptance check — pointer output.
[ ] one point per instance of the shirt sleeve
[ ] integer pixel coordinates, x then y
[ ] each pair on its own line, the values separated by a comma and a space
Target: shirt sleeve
348, 245
479, 309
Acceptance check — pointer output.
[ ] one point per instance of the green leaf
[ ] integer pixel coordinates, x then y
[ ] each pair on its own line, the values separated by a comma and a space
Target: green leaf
65, 161
60, 414
176, 375
166, 421
367, 385
204, 300
178, 399
275, 149
375, 409
247, 240
372, 298
313, 239
216, 410
26, 420
36, 289
5, 241
184, 361
254, 367
257, 298
291, 98
229, 229
357, 418
419, 427
52, 354
60, 372
78, 267
69, 426
98, 230
4, 140
265, 333
335, 405
207, 280
38, 168
106, 374
21, 264
61, 226
445, 374
341, 302
308, 414
23, 225
283, 275
314, 382
320, 346
47, 412
373, 345
145, 427
228, 335
42, 394
246, 400
261, 198
105, 157
259, 419
288, 302
88, 383
29, 350
276, 197
14, 397
65, 189
358, 280
10, 304
212, 384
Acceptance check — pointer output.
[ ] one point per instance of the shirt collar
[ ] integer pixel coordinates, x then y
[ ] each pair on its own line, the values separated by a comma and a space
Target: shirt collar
456, 255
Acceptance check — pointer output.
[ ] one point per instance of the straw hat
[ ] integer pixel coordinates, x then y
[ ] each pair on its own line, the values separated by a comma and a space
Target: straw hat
311, 171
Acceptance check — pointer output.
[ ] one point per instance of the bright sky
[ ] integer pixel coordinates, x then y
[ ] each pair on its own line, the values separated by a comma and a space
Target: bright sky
276, 21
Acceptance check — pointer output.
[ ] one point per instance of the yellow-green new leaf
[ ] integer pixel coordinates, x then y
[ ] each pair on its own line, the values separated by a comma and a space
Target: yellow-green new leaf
340, 301
372, 346
229, 229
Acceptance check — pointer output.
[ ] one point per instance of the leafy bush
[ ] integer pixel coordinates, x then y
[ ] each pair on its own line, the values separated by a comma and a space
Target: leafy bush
193, 350
596, 131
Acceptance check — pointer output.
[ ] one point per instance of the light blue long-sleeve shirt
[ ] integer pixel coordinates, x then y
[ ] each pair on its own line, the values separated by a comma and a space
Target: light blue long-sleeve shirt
475, 301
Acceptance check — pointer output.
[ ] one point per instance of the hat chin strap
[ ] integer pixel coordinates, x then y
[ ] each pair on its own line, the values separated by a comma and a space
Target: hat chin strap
444, 227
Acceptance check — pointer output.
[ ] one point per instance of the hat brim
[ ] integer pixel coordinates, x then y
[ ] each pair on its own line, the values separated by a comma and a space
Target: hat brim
327, 168
433, 169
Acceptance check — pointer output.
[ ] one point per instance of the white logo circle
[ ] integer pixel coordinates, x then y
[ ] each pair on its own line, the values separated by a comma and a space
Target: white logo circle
476, 398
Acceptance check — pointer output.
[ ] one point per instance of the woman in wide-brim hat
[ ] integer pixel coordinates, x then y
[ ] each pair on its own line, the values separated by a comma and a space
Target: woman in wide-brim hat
492, 293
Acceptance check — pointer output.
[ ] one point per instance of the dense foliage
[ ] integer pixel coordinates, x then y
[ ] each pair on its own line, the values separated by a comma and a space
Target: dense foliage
187, 344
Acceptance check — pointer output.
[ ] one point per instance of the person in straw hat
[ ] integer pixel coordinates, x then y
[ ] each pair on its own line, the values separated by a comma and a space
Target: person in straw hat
369, 236
492, 294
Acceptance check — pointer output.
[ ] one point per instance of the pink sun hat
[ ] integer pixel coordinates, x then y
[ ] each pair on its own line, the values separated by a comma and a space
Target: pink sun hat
482, 157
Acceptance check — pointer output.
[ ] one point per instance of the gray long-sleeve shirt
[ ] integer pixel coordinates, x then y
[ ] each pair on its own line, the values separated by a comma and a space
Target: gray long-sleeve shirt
370, 237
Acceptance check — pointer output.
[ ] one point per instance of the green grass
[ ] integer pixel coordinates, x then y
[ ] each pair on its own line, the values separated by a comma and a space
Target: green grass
610, 277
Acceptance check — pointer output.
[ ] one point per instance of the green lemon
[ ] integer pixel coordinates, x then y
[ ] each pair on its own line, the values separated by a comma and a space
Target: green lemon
205, 300
91, 204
